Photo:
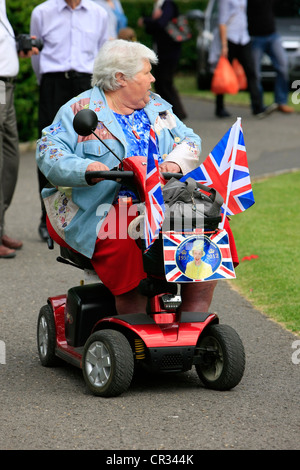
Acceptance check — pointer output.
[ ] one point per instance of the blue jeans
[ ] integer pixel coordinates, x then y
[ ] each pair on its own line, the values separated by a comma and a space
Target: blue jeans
271, 45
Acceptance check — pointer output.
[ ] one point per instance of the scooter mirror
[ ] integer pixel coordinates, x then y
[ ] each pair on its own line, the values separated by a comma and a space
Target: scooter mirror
85, 122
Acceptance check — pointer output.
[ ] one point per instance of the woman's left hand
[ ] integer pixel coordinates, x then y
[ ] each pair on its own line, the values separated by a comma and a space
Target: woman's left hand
97, 166
169, 167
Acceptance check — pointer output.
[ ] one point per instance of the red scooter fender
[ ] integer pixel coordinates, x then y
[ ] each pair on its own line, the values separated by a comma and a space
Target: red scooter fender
184, 332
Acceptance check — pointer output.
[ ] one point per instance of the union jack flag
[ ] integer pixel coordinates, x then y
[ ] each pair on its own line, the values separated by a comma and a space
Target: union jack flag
177, 254
154, 202
226, 170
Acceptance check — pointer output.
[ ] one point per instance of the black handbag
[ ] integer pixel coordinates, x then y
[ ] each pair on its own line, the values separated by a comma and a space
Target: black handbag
188, 205
178, 29
193, 201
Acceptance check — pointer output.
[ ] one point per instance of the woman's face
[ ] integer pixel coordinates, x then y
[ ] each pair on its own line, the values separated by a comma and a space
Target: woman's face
197, 255
139, 88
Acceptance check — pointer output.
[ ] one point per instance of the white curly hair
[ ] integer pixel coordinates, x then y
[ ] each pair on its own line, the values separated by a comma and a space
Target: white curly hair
120, 56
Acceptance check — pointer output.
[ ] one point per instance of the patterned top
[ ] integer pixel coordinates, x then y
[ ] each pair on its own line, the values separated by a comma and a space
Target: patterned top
136, 127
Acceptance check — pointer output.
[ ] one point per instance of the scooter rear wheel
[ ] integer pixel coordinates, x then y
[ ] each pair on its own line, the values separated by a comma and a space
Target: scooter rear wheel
223, 355
107, 363
46, 337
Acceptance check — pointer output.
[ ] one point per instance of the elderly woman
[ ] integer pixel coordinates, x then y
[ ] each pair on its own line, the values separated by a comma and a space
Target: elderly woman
126, 108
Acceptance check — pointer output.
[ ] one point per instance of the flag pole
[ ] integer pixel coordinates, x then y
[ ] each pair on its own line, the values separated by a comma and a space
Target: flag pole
234, 150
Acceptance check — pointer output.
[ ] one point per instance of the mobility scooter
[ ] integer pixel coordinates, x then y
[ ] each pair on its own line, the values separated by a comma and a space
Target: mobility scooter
83, 328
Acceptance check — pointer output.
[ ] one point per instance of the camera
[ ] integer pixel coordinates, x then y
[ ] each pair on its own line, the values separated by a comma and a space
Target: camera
25, 43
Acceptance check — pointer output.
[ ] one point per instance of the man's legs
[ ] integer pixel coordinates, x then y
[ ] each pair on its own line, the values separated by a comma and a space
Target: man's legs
271, 45
164, 86
258, 45
245, 57
9, 165
280, 63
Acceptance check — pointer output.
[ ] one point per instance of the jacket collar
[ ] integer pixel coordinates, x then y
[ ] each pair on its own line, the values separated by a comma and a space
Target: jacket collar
99, 104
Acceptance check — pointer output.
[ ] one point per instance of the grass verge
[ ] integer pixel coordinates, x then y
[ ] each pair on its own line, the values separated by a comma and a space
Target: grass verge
186, 84
268, 230
270, 281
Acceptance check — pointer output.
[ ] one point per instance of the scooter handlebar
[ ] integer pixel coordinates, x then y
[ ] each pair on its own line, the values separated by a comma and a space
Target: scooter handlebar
168, 176
120, 175
108, 175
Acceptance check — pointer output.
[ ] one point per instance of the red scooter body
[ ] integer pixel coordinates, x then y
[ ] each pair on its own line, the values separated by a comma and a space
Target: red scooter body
84, 329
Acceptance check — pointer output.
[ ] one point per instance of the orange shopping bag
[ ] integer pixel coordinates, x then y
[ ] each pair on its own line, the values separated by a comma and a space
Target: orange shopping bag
240, 73
224, 80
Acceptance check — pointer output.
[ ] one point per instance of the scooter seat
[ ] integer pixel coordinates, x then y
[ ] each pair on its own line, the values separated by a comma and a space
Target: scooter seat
76, 258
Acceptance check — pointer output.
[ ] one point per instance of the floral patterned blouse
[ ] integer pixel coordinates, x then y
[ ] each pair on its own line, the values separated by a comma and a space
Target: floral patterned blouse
136, 127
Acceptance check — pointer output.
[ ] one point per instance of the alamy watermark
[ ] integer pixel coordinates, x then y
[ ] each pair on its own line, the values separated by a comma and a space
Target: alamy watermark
2, 352
2, 92
296, 353
119, 222
296, 94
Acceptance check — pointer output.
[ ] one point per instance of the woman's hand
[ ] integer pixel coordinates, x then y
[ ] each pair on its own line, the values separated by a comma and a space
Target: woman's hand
97, 166
169, 167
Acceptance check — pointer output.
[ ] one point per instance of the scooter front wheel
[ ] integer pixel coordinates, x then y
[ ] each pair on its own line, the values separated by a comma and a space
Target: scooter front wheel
223, 357
107, 363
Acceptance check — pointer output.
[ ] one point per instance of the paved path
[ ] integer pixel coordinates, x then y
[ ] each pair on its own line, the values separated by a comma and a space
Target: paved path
51, 408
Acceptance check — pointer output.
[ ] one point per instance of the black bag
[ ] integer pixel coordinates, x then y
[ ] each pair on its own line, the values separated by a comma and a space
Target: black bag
187, 207
187, 199
178, 29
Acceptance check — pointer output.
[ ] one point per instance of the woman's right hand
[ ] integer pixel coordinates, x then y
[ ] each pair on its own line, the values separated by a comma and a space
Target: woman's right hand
97, 166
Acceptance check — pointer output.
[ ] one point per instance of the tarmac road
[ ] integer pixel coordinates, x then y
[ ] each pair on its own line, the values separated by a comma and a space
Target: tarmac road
51, 408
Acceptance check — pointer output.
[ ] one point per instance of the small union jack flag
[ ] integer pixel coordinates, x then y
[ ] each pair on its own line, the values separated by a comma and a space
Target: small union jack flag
154, 202
226, 170
216, 254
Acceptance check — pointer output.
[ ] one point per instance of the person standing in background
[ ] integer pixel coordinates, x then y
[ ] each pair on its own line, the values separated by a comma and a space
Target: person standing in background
168, 52
116, 16
265, 40
121, 17
236, 44
9, 138
73, 31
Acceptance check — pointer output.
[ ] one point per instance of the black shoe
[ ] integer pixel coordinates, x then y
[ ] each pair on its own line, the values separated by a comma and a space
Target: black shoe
43, 231
222, 113
266, 111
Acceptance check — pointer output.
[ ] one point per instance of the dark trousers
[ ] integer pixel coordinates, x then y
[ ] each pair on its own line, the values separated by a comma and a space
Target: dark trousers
9, 151
245, 57
55, 90
164, 74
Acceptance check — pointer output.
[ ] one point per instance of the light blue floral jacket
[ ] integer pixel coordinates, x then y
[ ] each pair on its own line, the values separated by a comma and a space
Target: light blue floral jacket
63, 156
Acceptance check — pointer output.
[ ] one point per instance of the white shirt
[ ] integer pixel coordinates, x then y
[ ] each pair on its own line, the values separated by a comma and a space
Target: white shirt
72, 38
233, 13
9, 61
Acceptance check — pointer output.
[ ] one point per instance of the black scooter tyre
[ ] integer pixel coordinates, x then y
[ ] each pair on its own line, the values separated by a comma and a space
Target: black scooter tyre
107, 363
224, 355
46, 337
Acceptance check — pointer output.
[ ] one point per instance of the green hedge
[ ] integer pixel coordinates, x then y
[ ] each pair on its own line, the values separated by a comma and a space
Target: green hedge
26, 94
